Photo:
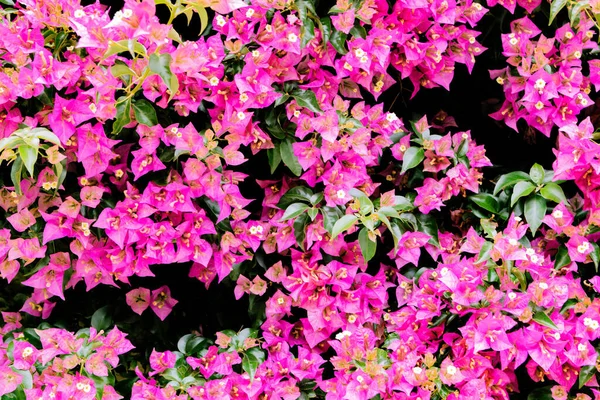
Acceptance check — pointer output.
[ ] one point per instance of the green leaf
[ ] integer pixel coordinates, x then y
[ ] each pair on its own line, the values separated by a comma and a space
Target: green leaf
338, 41
509, 180
45, 134
145, 112
307, 32
289, 158
16, 173
300, 229
486, 201
358, 31
343, 224
428, 225
366, 205
161, 65
555, 8
521, 189
182, 343
316, 198
119, 70
27, 382
562, 258
585, 374
325, 27
367, 246
537, 173
294, 195
330, 217
575, 12
308, 99
29, 156
274, 156
8, 2
312, 213
568, 305
251, 361
123, 114
120, 46
544, 320
541, 394
101, 319
552, 191
484, 253
595, 255
535, 209
412, 157
293, 211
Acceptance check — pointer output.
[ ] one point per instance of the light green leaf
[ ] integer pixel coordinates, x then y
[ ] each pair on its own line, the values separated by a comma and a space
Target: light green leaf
343, 224
145, 112
535, 209
555, 8
367, 246
537, 173
484, 253
544, 320
307, 32
293, 211
509, 180
161, 65
521, 189
16, 173
552, 191
366, 205
29, 156
412, 157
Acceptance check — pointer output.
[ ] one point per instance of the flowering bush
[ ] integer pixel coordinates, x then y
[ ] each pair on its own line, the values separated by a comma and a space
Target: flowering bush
334, 243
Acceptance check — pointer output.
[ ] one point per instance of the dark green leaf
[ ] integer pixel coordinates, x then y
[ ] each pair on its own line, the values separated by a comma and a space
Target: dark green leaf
485, 201
325, 26
295, 195
585, 374
555, 8
428, 225
551, 191
562, 258
293, 211
343, 224
330, 217
123, 114
274, 157
338, 41
541, 394
367, 246
307, 98
521, 189
535, 209
289, 158
307, 32
300, 229
537, 173
358, 31
595, 255
312, 213
541, 318
145, 112
412, 157
510, 180
161, 65
102, 320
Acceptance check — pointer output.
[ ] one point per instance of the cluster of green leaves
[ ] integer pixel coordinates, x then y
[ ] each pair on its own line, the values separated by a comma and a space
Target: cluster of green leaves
22, 149
521, 193
158, 64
